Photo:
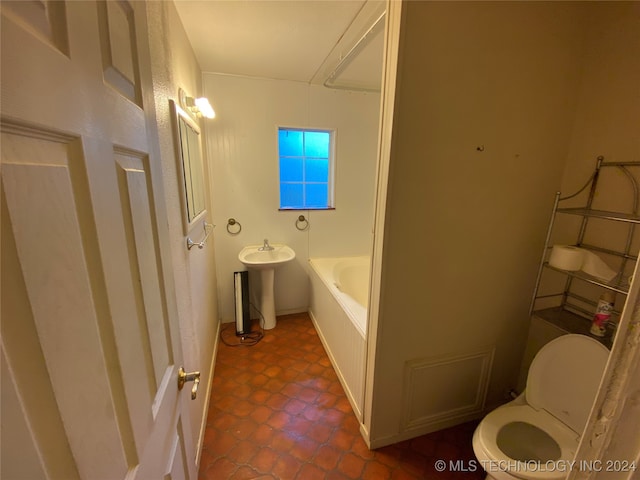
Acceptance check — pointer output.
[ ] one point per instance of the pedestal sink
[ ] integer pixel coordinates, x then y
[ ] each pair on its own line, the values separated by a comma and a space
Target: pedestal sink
256, 257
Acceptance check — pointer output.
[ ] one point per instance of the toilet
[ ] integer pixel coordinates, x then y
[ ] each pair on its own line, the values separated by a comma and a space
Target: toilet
536, 435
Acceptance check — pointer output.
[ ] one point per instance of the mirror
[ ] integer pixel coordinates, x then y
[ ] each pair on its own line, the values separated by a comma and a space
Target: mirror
188, 151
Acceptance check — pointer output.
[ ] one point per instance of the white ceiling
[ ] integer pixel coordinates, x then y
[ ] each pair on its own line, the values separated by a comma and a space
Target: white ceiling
299, 40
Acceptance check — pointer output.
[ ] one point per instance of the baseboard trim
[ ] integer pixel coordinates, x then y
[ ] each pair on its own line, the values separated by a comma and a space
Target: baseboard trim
422, 430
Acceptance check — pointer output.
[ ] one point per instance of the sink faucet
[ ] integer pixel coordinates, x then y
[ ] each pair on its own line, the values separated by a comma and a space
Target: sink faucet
265, 247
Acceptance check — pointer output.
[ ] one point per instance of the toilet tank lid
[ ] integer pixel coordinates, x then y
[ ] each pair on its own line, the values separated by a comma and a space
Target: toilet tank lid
564, 378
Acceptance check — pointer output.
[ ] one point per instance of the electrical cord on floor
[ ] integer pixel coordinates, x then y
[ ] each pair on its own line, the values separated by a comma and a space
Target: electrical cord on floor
247, 339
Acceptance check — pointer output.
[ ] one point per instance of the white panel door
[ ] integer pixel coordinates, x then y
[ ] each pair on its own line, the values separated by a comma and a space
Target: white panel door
90, 340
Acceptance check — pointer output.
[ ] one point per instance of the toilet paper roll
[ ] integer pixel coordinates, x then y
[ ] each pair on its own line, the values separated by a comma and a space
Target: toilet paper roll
593, 265
566, 257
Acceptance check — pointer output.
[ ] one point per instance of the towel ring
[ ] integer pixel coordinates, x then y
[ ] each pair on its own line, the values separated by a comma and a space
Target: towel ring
302, 221
230, 223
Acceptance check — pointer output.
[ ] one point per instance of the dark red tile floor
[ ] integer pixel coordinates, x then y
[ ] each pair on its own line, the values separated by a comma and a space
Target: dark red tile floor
278, 411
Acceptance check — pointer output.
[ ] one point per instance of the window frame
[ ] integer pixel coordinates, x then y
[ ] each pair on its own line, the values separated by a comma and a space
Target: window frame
332, 166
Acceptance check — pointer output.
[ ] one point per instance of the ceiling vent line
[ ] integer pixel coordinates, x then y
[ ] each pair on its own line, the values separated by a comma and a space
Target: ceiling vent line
352, 64
362, 42
353, 25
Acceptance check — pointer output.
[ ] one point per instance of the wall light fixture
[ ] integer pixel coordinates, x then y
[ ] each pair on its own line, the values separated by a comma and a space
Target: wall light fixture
198, 106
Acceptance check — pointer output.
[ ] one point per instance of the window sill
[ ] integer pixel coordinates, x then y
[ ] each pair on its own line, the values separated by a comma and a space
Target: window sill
305, 209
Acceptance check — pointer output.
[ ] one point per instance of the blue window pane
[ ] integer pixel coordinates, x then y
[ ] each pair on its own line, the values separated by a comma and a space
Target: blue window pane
316, 170
291, 195
291, 169
304, 157
316, 144
290, 142
317, 195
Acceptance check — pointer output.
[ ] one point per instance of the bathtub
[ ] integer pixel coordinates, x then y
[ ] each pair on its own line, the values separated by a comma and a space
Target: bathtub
338, 309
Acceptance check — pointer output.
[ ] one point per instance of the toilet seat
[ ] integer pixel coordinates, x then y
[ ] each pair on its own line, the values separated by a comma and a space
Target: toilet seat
485, 443
549, 417
564, 378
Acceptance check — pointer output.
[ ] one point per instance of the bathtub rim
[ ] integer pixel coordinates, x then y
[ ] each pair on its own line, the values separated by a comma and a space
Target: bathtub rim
357, 313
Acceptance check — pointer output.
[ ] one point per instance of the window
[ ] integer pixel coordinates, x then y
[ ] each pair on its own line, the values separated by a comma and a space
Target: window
306, 168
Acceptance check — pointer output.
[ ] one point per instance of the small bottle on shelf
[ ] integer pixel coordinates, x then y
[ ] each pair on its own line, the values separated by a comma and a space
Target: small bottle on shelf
603, 313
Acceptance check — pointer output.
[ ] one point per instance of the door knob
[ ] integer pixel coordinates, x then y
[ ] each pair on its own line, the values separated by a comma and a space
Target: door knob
184, 377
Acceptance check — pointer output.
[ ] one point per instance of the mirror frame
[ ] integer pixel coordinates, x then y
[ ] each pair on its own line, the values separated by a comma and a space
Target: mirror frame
178, 115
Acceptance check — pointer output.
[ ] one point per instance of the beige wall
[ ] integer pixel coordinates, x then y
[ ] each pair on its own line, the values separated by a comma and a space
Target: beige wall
174, 66
607, 123
607, 117
606, 120
485, 104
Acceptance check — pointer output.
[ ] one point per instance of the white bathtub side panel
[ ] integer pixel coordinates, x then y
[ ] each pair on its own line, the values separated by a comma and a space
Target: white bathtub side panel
342, 341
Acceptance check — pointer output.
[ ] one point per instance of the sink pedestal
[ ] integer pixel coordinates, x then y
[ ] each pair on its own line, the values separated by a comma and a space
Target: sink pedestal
267, 302
265, 259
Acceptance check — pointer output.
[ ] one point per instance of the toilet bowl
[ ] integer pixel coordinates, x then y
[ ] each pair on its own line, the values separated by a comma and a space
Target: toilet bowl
536, 435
